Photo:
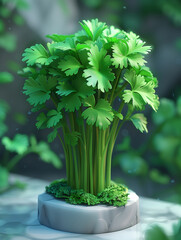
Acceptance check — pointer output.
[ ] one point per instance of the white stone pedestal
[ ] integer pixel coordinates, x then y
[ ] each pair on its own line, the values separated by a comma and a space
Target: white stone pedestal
59, 215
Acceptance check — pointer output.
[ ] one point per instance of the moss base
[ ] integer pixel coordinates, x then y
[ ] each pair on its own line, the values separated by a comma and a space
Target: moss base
115, 195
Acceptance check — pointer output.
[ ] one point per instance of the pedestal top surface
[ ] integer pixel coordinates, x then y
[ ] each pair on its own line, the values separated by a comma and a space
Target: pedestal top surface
18, 217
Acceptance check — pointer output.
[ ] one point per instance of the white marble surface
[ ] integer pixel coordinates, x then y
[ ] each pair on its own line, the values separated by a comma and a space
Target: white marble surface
18, 217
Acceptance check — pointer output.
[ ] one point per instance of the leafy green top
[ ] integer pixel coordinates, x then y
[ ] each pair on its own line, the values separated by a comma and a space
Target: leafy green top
94, 66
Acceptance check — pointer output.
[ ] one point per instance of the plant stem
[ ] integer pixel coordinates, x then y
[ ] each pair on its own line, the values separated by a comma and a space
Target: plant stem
115, 85
90, 160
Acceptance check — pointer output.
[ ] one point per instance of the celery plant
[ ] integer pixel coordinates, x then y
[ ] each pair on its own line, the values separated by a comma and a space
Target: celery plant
83, 75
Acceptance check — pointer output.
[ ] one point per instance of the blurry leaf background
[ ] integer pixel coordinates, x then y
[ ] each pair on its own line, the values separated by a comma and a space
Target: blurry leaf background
156, 154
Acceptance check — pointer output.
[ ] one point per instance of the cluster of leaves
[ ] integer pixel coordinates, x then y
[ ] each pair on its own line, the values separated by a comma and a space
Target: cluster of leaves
78, 66
22, 145
159, 156
114, 195
83, 75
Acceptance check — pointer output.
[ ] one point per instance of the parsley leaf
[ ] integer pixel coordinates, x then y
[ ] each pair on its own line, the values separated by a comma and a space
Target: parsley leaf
93, 28
73, 93
55, 117
130, 52
70, 65
41, 120
100, 114
39, 89
139, 121
52, 135
141, 93
100, 73
37, 54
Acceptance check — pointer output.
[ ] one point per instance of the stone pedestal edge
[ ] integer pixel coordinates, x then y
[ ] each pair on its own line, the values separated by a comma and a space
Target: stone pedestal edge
59, 215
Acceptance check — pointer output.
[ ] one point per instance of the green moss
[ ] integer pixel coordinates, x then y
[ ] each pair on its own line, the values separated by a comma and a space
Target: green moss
114, 195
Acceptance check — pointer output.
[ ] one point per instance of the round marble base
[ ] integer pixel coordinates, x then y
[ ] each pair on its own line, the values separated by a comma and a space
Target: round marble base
59, 215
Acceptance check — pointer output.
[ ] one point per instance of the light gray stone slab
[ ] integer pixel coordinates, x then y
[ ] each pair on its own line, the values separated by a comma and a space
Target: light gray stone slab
59, 215
27, 227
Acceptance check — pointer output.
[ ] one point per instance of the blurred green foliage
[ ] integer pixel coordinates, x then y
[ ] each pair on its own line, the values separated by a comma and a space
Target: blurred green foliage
159, 157
157, 233
21, 145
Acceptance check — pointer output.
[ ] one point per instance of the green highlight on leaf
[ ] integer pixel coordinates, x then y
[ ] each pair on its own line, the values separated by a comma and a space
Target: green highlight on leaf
93, 28
99, 74
141, 93
140, 122
129, 52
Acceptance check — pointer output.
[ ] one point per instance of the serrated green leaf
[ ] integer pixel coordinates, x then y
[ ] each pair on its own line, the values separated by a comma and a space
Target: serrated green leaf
52, 135
147, 74
55, 117
93, 28
136, 45
113, 33
71, 102
18, 144
41, 120
101, 114
141, 93
129, 52
37, 54
64, 89
99, 74
70, 65
68, 44
140, 122
73, 93
39, 89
